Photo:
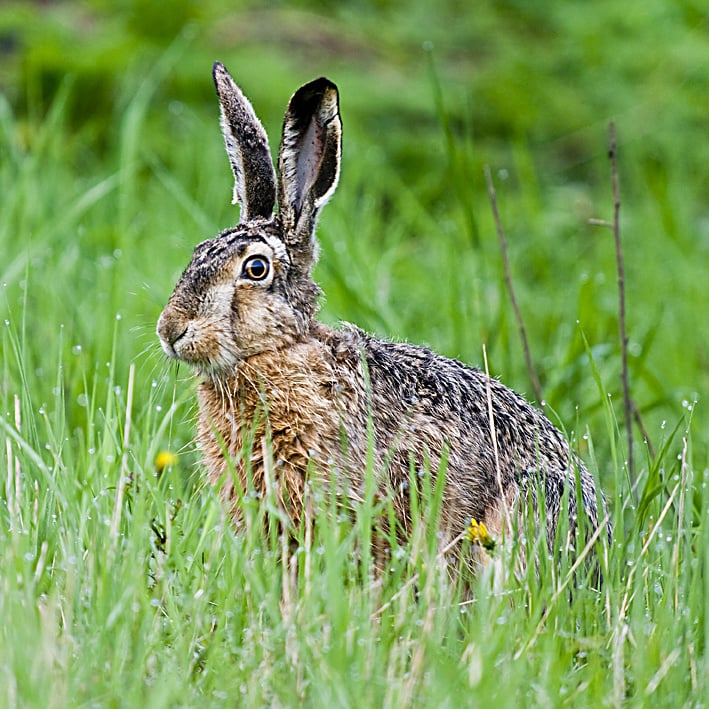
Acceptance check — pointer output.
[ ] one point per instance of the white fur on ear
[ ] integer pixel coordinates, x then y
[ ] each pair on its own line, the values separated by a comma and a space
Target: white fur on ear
310, 155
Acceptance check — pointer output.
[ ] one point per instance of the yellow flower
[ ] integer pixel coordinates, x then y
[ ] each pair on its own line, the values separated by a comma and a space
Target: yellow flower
164, 459
477, 534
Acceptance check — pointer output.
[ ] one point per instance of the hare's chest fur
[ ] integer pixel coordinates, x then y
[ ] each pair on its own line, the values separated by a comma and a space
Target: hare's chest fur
279, 419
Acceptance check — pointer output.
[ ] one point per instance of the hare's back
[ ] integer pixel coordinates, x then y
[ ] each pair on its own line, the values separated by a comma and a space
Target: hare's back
420, 400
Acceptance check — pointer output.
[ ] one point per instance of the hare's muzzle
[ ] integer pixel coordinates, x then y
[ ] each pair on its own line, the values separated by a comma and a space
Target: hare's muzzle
171, 328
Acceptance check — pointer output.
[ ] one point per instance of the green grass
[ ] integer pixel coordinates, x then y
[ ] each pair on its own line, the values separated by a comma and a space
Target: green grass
119, 587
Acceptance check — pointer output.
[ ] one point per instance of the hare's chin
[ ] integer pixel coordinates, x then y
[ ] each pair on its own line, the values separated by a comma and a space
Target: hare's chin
168, 349
214, 371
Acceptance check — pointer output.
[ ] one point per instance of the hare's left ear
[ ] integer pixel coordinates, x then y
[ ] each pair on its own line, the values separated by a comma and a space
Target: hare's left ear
247, 147
308, 162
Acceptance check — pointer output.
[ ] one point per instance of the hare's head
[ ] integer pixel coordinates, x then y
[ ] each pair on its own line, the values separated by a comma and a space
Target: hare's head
249, 289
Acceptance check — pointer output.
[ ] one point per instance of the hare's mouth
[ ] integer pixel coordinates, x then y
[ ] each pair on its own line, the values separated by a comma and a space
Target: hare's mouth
200, 345
168, 347
219, 365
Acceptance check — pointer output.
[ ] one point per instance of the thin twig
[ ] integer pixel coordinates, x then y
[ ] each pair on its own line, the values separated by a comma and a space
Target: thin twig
615, 227
641, 425
510, 288
627, 403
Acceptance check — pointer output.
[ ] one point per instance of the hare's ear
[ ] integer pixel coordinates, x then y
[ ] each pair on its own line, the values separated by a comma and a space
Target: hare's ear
308, 161
247, 147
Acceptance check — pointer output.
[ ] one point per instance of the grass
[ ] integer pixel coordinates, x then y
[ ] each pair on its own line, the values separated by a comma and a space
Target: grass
120, 586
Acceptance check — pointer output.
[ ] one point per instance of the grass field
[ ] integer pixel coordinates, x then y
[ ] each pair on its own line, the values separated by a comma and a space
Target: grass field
122, 587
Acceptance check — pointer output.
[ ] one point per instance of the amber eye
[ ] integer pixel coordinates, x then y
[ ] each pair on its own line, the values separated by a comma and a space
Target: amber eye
255, 268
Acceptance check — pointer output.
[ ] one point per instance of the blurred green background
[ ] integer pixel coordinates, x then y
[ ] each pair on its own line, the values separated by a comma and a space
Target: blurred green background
113, 168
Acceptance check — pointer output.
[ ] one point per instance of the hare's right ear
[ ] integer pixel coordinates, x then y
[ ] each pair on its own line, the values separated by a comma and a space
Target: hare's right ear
308, 163
247, 147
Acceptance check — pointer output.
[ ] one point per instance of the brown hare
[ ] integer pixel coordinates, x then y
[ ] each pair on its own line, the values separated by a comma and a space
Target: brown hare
310, 401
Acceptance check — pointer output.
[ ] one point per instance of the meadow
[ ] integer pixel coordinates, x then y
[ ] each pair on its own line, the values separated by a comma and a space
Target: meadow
122, 583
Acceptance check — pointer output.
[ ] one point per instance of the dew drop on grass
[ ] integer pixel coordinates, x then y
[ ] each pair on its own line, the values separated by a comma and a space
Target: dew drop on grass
82, 400
76, 349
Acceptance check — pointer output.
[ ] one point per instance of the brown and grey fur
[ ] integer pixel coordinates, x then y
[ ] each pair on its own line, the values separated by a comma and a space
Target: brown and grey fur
271, 372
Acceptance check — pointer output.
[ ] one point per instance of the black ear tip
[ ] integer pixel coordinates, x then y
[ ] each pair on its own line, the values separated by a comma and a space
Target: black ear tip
310, 95
218, 70
321, 85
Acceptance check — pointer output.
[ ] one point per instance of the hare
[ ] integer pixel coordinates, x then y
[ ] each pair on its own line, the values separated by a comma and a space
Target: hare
284, 398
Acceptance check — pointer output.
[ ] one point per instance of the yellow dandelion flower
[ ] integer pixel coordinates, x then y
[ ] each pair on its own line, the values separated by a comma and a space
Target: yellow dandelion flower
477, 534
164, 459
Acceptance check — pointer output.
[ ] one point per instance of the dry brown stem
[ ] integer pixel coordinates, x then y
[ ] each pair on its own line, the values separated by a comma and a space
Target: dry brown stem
510, 288
627, 401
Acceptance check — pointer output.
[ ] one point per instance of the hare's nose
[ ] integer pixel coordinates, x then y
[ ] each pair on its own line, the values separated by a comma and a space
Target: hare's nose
170, 330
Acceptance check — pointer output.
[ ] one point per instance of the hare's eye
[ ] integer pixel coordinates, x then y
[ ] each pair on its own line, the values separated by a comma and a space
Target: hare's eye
255, 268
